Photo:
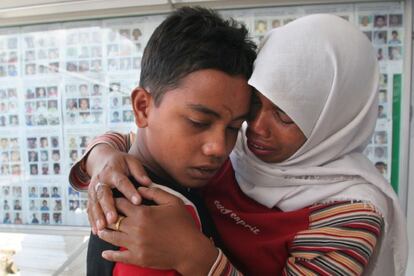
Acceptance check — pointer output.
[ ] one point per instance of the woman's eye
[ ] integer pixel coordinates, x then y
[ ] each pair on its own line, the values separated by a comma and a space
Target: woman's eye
283, 117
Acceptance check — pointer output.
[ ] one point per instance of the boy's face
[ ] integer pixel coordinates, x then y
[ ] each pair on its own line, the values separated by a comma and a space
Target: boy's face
194, 128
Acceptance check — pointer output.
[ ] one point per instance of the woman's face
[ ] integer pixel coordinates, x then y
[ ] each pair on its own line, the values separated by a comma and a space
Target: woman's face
271, 135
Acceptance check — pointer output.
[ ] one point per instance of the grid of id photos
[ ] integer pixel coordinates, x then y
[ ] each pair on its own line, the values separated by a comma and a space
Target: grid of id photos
44, 155
84, 103
45, 204
41, 52
385, 30
9, 56
11, 204
83, 49
119, 101
9, 106
11, 160
77, 143
42, 106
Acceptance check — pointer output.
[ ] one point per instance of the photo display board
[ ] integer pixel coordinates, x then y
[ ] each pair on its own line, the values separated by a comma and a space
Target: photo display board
63, 84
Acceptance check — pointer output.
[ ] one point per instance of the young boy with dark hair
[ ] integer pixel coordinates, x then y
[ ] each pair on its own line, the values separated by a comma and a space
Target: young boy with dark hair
192, 99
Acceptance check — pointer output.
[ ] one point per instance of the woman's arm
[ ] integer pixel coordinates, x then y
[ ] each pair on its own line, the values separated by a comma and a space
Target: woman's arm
111, 149
340, 240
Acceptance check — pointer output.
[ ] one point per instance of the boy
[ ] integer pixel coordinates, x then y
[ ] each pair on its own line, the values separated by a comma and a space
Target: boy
192, 99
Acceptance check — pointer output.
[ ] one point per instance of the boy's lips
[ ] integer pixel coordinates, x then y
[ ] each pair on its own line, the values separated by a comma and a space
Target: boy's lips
203, 172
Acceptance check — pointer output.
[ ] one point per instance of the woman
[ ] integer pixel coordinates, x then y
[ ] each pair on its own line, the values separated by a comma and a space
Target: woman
298, 196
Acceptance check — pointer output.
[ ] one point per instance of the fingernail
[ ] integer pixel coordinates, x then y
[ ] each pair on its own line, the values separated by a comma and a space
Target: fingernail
146, 178
110, 216
135, 200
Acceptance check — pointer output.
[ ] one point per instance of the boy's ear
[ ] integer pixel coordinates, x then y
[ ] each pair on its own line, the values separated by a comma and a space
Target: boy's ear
141, 104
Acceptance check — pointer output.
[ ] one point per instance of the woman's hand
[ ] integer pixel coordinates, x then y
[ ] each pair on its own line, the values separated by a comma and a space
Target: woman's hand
162, 236
109, 169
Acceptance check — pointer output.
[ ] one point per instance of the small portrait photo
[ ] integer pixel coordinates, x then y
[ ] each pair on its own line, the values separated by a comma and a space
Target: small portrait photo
276, 23
58, 205
5, 157
45, 218
381, 53
84, 52
3, 121
34, 219
17, 191
96, 66
34, 169
126, 101
12, 93
97, 117
84, 117
260, 26
382, 96
12, 43
125, 64
55, 141
32, 191
115, 102
383, 80
112, 64
72, 66
4, 143
73, 205
29, 41
3, 107
127, 116
83, 66
12, 70
380, 37
32, 142
53, 67
33, 205
44, 143
55, 192
16, 169
53, 53
17, 219
114, 87
29, 56
5, 169
13, 120
382, 113
83, 90
84, 104
44, 155
40, 93
6, 205
71, 105
84, 141
5, 190
15, 156
395, 37
395, 53
136, 34
6, 218
17, 206
380, 21
365, 21
52, 91
125, 33
45, 169
380, 137
115, 117
72, 193
55, 155
45, 192
73, 155
96, 103
380, 152
57, 218
30, 69
96, 90
56, 168
395, 20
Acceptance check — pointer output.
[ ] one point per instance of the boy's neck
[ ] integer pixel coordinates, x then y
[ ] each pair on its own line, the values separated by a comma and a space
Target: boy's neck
140, 151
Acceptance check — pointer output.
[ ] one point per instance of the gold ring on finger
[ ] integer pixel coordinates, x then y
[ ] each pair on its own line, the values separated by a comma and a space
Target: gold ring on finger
118, 223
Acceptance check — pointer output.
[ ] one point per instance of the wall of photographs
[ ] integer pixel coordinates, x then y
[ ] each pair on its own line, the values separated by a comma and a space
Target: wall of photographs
63, 84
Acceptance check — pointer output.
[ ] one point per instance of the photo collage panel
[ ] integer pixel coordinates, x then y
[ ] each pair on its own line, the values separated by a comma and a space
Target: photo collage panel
44, 155
84, 103
9, 107
9, 56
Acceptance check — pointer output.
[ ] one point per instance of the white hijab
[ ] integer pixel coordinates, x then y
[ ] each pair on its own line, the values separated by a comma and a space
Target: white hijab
323, 73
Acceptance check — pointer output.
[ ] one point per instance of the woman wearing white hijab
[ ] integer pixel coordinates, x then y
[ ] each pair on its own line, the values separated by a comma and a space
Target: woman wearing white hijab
301, 158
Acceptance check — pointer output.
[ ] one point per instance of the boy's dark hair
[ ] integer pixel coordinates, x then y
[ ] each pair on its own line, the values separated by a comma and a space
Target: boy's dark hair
192, 39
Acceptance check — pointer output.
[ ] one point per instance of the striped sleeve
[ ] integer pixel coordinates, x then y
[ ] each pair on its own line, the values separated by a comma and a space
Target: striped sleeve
223, 267
340, 240
78, 177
